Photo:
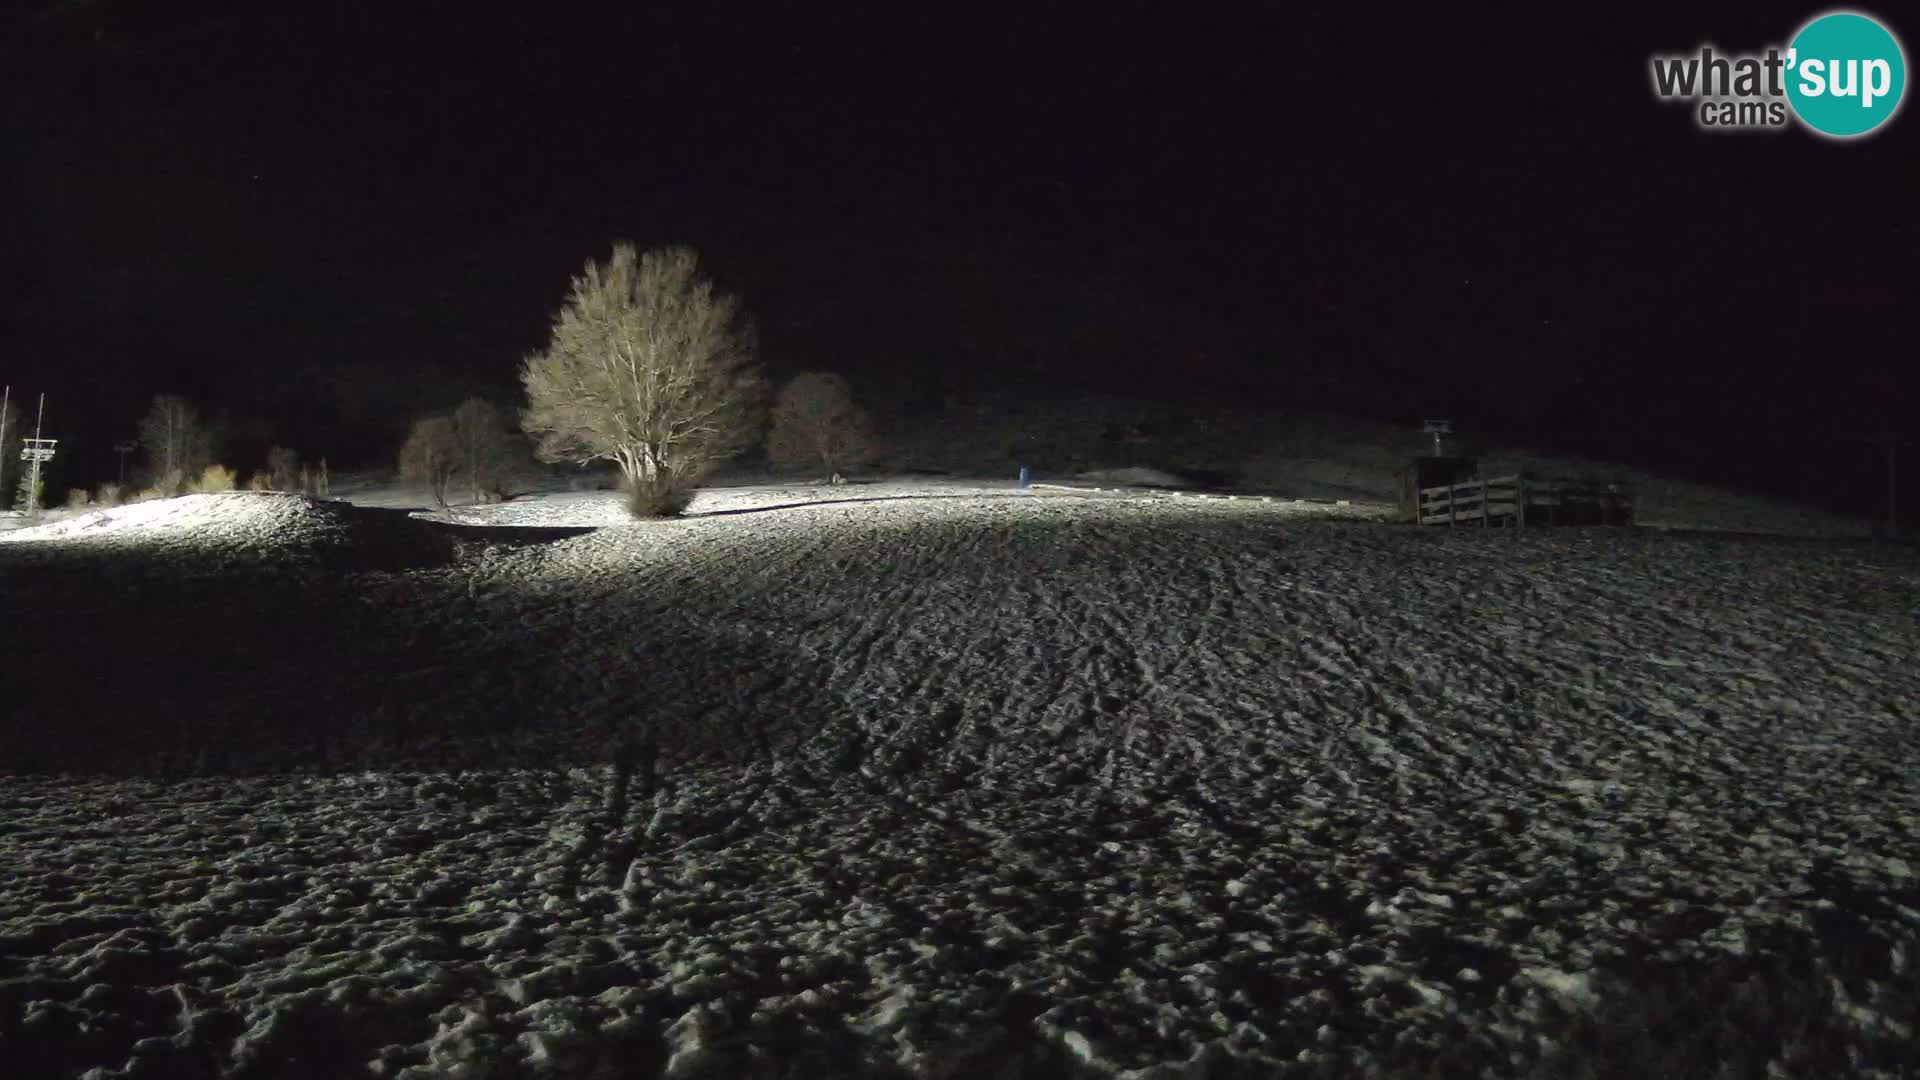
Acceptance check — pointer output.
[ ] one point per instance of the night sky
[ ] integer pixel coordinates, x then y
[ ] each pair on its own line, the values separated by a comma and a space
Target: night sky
333, 221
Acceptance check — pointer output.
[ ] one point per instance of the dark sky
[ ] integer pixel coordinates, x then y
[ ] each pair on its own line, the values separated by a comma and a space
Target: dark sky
332, 220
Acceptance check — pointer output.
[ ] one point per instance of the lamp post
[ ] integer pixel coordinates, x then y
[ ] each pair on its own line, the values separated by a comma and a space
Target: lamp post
1892, 441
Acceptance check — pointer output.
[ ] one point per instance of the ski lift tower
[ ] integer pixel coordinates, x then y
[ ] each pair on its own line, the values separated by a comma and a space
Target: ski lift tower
123, 448
34, 451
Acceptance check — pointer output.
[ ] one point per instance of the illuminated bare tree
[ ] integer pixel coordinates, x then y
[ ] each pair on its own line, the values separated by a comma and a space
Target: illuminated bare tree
177, 445
483, 448
430, 455
816, 423
471, 445
650, 368
283, 468
11, 432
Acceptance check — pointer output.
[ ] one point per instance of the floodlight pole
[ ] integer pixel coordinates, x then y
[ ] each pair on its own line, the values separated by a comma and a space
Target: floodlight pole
124, 448
33, 483
1893, 487
1891, 441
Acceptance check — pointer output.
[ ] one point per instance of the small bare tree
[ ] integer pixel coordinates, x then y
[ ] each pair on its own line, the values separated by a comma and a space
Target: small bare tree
483, 448
214, 478
283, 468
650, 368
177, 445
816, 423
31, 491
429, 455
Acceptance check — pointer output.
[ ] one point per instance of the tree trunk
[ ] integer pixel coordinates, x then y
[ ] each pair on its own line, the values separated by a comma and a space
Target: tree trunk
473, 466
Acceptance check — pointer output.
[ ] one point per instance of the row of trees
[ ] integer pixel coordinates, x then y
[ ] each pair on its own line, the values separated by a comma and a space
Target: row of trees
647, 366
14, 483
471, 445
177, 451
474, 451
176, 457
650, 367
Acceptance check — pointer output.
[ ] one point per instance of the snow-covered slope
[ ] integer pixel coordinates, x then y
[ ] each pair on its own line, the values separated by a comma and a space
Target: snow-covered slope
949, 783
1293, 453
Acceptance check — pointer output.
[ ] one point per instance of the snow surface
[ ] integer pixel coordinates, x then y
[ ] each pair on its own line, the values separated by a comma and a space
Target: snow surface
949, 781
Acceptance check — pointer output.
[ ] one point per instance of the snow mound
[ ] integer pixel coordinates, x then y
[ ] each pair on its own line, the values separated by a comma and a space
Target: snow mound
565, 510
222, 516
218, 531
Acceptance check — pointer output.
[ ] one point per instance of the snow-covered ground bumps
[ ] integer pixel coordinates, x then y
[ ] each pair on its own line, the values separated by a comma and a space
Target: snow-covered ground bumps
950, 782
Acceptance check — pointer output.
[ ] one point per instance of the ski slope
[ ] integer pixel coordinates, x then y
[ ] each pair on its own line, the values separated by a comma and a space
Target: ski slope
944, 781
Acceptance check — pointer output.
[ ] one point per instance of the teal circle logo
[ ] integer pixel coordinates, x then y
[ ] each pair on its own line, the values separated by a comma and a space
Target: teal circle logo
1846, 74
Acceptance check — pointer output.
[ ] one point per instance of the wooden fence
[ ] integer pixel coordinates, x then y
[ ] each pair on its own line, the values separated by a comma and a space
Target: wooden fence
1521, 500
